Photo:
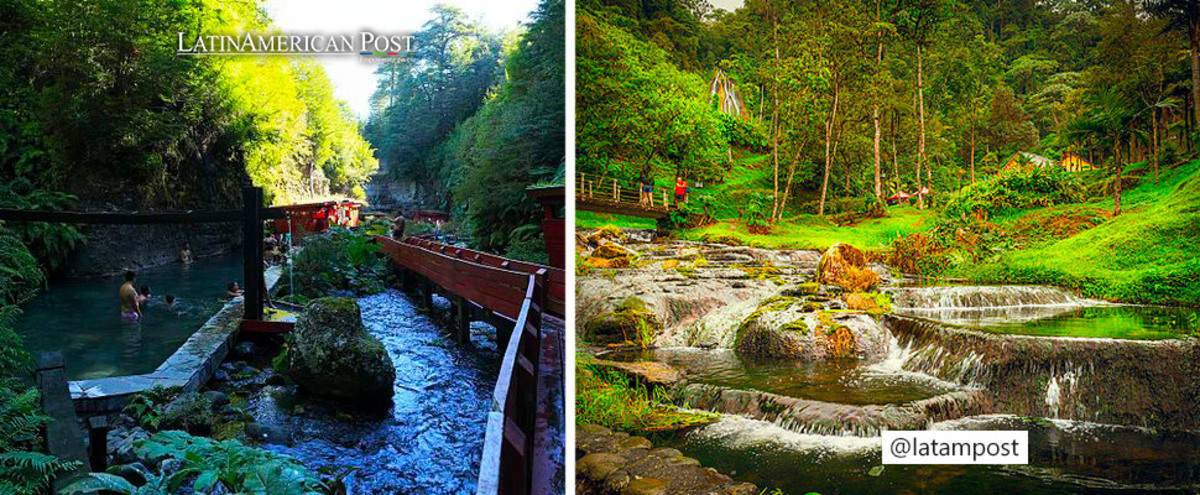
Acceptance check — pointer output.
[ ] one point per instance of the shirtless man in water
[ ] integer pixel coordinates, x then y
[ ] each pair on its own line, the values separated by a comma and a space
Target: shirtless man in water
131, 310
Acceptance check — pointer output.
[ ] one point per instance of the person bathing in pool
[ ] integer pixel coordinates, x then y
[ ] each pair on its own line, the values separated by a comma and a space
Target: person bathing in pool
131, 309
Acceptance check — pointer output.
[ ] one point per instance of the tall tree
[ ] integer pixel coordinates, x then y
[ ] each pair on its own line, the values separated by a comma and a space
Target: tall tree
918, 21
1183, 15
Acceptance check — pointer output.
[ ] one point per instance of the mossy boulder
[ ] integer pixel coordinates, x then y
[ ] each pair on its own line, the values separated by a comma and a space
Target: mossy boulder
631, 321
332, 355
846, 266
608, 263
612, 250
773, 330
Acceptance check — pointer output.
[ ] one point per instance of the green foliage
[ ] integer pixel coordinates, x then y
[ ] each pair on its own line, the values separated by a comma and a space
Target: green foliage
613, 400
339, 260
147, 407
208, 466
20, 277
636, 109
115, 116
50, 243
1013, 191
531, 248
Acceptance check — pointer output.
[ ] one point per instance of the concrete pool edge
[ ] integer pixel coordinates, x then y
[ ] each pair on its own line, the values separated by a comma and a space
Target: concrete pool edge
188, 367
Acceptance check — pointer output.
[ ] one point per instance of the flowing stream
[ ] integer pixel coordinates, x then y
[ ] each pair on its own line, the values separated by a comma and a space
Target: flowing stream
431, 440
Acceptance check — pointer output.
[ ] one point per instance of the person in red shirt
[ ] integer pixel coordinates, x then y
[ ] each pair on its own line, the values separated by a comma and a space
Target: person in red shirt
681, 190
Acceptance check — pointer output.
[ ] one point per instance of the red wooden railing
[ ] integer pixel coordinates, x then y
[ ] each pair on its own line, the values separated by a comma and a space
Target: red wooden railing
557, 283
506, 290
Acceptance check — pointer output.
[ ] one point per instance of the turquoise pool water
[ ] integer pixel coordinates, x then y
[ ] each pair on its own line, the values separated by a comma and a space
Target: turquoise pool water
80, 317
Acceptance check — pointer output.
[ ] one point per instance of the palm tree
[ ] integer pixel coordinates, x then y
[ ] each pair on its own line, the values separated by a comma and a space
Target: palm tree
1108, 121
1183, 15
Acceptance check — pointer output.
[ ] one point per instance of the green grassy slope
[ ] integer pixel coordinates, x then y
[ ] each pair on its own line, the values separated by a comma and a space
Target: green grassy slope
1149, 254
814, 232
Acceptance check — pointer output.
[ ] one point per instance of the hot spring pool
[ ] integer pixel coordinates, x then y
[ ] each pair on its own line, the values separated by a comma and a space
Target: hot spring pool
80, 317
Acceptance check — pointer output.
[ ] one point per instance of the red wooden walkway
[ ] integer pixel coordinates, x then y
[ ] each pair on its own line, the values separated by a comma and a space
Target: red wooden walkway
524, 448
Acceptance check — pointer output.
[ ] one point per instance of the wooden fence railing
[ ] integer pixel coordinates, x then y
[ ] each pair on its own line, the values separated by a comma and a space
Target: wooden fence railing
507, 463
504, 288
557, 277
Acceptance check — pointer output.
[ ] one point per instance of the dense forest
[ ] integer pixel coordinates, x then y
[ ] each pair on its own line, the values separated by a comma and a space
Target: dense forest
862, 99
477, 116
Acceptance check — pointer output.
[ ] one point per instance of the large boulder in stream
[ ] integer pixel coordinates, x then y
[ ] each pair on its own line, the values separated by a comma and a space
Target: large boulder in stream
631, 321
844, 265
332, 355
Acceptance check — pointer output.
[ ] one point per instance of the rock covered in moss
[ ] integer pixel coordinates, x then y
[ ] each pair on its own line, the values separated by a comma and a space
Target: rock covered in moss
612, 250
332, 355
632, 321
846, 266
774, 330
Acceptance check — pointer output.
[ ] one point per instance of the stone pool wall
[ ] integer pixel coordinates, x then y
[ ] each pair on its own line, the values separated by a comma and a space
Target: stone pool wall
112, 249
1154, 384
189, 367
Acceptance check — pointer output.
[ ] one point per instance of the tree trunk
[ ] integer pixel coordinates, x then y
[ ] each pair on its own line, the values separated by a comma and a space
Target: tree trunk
1120, 171
921, 139
775, 140
875, 111
1194, 52
787, 189
1154, 141
828, 142
895, 157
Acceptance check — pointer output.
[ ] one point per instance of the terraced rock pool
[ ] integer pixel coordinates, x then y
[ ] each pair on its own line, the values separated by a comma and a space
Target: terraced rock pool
844, 382
1065, 458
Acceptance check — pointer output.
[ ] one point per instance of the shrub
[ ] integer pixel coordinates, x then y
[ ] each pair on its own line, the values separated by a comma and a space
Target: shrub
1015, 191
918, 253
339, 260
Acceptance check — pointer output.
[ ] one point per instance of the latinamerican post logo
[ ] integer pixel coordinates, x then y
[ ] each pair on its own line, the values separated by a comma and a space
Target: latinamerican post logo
361, 44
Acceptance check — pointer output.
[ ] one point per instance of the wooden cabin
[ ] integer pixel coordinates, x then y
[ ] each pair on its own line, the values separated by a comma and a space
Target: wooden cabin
1024, 161
1075, 163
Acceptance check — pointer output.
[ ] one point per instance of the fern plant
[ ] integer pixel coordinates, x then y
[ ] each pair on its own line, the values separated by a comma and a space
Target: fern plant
24, 469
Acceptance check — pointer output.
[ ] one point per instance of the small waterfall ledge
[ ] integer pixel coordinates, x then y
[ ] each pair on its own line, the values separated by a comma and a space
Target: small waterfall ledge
824, 418
1153, 384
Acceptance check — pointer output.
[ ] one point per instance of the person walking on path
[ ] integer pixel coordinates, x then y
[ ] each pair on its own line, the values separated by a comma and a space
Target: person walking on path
681, 190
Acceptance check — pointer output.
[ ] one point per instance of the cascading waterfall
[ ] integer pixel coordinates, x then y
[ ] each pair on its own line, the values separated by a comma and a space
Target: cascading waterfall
971, 297
824, 418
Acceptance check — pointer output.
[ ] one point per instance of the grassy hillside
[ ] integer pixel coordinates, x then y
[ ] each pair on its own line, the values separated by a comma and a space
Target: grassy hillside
815, 232
1148, 254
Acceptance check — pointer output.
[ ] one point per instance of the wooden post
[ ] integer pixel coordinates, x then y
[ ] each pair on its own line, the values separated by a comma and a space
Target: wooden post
463, 320
252, 254
61, 435
615, 190
427, 295
98, 443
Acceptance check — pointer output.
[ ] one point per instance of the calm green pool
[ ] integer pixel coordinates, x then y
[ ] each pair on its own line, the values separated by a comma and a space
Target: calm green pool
80, 317
1111, 322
